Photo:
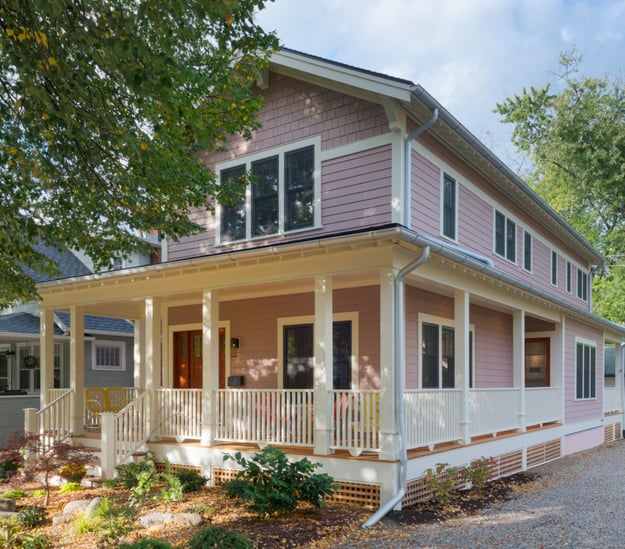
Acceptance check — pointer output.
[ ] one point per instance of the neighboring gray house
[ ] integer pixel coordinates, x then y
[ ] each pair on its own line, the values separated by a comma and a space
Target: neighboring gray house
108, 349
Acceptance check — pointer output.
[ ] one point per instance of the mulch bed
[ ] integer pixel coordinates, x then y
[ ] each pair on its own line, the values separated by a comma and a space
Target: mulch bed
308, 527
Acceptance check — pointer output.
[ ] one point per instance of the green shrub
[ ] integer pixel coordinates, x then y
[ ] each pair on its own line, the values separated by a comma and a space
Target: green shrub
39, 492
478, 472
70, 487
219, 538
9, 467
73, 472
147, 543
270, 484
128, 473
172, 491
15, 494
30, 516
12, 538
109, 522
442, 481
191, 480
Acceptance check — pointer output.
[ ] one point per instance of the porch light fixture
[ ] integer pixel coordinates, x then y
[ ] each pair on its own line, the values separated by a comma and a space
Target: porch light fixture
235, 345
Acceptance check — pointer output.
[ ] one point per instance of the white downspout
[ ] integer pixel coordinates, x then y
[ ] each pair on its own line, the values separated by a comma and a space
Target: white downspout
400, 381
408, 165
621, 376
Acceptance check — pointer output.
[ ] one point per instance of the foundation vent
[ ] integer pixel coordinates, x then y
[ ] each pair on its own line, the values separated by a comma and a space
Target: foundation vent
542, 453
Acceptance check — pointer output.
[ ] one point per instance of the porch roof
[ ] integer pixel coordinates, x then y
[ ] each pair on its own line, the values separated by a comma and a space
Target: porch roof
59, 291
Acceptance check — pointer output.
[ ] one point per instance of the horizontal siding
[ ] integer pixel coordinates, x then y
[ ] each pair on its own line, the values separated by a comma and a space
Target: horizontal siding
576, 411
425, 195
356, 190
493, 347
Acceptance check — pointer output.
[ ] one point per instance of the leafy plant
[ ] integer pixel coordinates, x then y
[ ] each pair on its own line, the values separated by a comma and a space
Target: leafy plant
39, 492
270, 484
30, 516
219, 538
73, 472
128, 473
172, 491
442, 481
12, 538
109, 521
70, 487
143, 489
147, 543
15, 494
9, 467
191, 480
478, 472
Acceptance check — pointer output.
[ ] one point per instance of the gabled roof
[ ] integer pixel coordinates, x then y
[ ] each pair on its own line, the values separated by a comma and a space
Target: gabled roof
100, 324
69, 265
419, 104
23, 323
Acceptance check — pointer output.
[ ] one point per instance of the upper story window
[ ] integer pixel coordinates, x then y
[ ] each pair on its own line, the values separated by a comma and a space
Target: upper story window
586, 370
569, 277
505, 237
582, 285
554, 268
280, 198
450, 209
527, 251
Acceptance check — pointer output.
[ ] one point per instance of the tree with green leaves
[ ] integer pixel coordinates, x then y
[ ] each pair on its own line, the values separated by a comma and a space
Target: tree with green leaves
575, 138
105, 109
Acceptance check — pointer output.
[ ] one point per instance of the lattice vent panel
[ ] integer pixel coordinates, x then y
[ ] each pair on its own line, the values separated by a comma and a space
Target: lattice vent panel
174, 468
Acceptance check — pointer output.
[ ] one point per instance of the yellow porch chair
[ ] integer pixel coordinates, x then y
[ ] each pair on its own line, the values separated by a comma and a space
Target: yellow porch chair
95, 404
116, 398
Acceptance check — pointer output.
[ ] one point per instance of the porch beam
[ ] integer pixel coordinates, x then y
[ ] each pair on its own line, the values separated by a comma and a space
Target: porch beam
210, 365
77, 368
463, 364
518, 361
46, 355
323, 352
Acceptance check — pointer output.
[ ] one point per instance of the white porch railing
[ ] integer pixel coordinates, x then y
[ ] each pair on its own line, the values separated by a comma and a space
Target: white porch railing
123, 433
92, 420
611, 399
432, 416
356, 421
542, 405
265, 416
179, 413
53, 420
492, 411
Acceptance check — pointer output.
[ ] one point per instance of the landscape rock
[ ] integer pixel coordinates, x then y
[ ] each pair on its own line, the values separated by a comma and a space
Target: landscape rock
7, 505
76, 506
157, 520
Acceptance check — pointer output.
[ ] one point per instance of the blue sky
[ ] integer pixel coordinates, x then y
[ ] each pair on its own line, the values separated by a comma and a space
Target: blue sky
469, 54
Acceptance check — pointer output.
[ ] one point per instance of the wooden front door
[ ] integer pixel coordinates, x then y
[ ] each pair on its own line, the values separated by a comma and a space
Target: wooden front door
188, 359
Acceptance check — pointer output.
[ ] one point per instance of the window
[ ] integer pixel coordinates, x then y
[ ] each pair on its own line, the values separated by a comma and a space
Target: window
582, 285
438, 369
505, 237
569, 280
109, 355
5, 380
280, 198
554, 268
586, 370
298, 355
28, 368
527, 251
449, 207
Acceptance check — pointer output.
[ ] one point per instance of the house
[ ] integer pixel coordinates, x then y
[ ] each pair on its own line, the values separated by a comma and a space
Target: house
387, 296
20, 374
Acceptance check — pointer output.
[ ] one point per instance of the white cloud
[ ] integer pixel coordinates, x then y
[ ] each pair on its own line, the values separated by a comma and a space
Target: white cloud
468, 54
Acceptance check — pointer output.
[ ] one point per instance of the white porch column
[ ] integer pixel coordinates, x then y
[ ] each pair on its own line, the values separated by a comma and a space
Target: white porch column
139, 353
152, 361
518, 361
210, 365
323, 352
77, 368
462, 362
46, 355
389, 435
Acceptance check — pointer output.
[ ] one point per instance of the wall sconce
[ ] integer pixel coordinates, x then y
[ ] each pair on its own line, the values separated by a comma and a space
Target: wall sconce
235, 345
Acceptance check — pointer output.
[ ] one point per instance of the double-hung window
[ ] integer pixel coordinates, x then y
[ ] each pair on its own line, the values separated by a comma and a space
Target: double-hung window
527, 251
505, 237
450, 208
569, 281
586, 370
280, 198
582, 285
438, 356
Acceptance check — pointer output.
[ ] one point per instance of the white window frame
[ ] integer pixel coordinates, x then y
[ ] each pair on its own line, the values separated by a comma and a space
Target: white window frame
585, 277
507, 219
111, 344
445, 175
280, 152
591, 345
528, 236
441, 322
310, 319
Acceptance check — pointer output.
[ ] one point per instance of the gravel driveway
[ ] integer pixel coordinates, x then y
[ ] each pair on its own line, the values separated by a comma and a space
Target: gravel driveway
579, 501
